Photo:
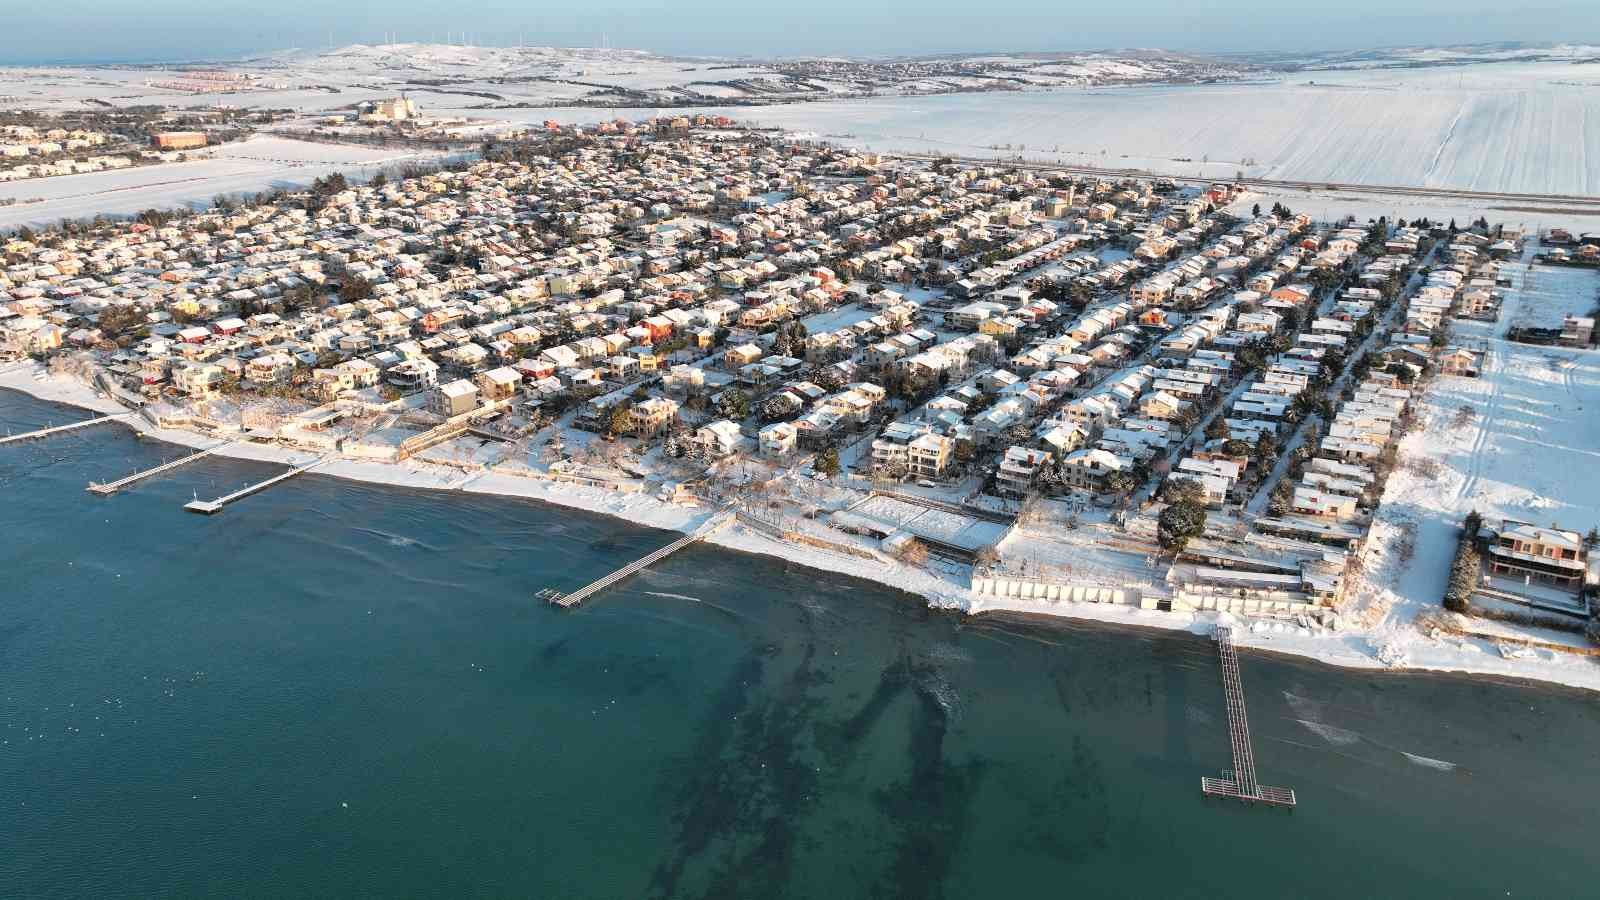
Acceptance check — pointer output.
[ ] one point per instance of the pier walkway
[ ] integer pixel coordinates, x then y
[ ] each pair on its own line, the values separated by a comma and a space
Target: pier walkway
589, 590
58, 429
209, 507
111, 487
1240, 784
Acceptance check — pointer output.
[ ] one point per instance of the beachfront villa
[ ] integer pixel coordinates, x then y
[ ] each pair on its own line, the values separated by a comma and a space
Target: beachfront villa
1548, 555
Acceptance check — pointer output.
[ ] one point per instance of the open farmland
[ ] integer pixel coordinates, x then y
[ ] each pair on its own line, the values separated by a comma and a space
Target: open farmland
1524, 128
250, 166
486, 77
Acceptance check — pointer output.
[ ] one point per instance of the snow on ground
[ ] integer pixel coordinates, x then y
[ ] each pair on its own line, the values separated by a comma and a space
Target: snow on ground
1517, 127
1089, 554
1395, 642
1521, 441
257, 164
1514, 127
1542, 296
474, 75
835, 319
1331, 206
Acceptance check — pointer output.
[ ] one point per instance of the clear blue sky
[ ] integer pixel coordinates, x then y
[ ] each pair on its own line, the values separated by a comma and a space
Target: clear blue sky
136, 30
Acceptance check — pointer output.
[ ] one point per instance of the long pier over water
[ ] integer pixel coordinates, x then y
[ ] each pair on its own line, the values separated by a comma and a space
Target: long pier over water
58, 429
1240, 784
209, 507
581, 594
111, 487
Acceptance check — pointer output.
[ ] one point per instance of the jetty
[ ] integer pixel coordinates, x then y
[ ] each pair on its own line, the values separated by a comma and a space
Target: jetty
1240, 784
208, 507
111, 487
59, 429
581, 594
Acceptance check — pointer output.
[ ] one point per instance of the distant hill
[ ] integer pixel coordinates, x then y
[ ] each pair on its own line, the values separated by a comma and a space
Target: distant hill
1415, 57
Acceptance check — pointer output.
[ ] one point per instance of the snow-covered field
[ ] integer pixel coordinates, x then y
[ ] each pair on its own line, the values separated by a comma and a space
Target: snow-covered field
477, 75
1331, 206
1525, 128
1516, 126
257, 164
1520, 441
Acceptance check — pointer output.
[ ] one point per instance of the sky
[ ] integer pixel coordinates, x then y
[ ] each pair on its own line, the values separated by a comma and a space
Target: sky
176, 30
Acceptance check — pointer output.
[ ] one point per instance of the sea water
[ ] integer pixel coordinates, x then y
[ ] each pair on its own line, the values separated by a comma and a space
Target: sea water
336, 689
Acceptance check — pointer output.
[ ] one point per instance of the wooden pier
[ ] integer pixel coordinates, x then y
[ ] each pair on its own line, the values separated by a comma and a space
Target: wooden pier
208, 507
1240, 784
58, 429
111, 487
581, 594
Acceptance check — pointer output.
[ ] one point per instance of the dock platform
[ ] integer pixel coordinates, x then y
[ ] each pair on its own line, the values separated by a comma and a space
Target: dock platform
111, 487
59, 429
210, 507
1240, 783
567, 601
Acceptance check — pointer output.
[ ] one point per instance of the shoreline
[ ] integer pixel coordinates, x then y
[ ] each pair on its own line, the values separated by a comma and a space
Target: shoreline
1348, 649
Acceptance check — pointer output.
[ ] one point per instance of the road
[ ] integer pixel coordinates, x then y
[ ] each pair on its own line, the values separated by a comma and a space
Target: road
1575, 204
1380, 332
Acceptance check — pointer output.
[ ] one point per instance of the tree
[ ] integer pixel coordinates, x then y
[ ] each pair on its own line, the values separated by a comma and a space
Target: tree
791, 339
733, 404
778, 407
1256, 211
831, 378
353, 290
1183, 490
329, 185
1122, 482
1252, 359
1266, 448
827, 461
1465, 568
299, 297
1187, 418
1282, 496
1216, 429
1293, 318
1592, 539
1179, 523
621, 421
115, 320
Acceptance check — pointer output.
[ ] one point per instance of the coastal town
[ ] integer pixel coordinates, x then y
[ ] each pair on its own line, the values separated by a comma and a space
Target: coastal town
1001, 386
860, 451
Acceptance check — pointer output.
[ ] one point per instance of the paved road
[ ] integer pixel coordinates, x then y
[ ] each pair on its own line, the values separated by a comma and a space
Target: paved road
1577, 204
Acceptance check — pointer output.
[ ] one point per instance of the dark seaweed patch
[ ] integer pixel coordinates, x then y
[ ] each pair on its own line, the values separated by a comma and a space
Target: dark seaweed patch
930, 806
747, 784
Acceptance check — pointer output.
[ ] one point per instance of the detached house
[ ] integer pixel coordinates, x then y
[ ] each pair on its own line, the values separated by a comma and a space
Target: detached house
1548, 555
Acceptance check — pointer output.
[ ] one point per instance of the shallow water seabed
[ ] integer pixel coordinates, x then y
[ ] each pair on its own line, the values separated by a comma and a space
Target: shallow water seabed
353, 687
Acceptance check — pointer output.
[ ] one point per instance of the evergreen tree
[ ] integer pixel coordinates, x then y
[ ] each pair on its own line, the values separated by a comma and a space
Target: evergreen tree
1179, 523
827, 461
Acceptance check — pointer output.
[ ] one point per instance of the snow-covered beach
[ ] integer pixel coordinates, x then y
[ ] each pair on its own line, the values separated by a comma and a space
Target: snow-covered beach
1395, 643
